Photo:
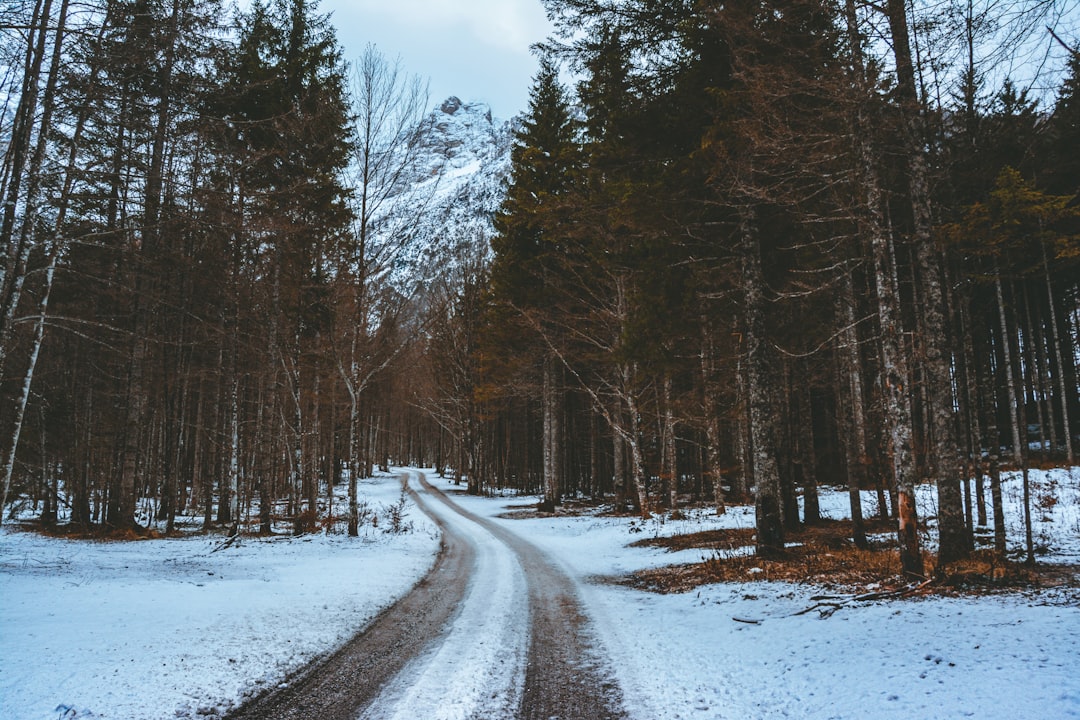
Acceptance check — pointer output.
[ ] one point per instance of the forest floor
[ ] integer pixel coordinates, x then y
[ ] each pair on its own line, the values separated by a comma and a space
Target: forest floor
187, 627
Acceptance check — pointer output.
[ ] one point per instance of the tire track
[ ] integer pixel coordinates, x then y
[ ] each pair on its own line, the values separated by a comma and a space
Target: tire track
567, 677
496, 630
339, 686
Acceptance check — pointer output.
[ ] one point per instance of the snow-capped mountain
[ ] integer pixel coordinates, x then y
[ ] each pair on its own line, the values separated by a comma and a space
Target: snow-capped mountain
457, 182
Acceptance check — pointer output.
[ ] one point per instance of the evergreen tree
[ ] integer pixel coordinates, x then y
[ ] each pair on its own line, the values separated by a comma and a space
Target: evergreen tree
527, 245
1065, 133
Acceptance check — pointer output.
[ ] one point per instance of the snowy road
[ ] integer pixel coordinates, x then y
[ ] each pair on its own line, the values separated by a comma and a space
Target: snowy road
495, 631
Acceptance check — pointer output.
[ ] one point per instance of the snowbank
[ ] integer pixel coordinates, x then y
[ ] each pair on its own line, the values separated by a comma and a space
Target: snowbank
171, 628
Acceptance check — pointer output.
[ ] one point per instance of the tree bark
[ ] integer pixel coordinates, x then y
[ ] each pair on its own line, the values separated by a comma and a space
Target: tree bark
759, 388
895, 373
851, 389
552, 411
954, 540
713, 462
1059, 362
670, 471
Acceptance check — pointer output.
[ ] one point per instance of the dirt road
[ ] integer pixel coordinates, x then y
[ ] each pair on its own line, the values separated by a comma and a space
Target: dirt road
496, 630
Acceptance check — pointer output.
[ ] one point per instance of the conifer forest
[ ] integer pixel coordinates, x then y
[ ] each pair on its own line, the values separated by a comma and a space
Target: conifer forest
744, 250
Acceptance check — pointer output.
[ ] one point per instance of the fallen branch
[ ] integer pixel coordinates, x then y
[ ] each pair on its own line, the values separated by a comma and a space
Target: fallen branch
229, 541
827, 605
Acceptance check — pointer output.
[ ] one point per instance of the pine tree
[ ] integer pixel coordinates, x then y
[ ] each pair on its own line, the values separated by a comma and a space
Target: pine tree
1065, 133
285, 140
527, 245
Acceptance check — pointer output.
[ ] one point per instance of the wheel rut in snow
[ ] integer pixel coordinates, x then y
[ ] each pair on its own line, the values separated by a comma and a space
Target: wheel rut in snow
339, 686
565, 677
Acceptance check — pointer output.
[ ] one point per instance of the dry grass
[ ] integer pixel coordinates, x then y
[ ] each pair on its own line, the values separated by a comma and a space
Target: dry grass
91, 532
846, 567
708, 539
834, 534
854, 570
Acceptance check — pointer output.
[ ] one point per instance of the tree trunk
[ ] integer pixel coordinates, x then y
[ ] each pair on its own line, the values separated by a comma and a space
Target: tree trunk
808, 457
354, 465
15, 251
895, 373
954, 541
670, 470
1062, 384
759, 388
713, 462
633, 442
552, 479
854, 424
618, 445
1015, 410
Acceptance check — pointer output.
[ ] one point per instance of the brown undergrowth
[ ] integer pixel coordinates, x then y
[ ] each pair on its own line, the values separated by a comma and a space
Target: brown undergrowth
74, 531
854, 570
824, 554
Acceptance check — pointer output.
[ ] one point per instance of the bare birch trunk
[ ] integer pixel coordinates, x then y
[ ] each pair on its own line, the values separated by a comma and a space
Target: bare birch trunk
28, 378
14, 268
15, 250
354, 463
233, 477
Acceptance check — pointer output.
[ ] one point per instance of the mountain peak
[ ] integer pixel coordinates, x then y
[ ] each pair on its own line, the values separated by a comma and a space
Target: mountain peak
451, 105
450, 192
455, 107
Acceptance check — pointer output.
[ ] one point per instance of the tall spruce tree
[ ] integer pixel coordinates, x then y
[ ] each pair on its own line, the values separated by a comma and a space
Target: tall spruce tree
527, 244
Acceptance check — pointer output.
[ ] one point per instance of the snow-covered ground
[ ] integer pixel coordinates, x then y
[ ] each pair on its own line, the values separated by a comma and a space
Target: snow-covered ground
179, 628
684, 656
170, 628
486, 643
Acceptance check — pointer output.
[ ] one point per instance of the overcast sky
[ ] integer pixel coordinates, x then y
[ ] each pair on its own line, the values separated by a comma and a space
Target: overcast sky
477, 50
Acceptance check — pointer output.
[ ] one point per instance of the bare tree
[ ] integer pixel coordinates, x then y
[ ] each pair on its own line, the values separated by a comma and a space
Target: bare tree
390, 111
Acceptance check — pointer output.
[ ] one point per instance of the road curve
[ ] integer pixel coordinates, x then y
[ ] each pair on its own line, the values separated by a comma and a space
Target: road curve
566, 677
338, 686
496, 630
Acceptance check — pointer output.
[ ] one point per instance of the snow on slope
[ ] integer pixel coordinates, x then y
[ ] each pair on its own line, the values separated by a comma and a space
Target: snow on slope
458, 180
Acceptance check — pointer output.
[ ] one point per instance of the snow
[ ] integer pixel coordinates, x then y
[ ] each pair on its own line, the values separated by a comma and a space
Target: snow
170, 628
684, 656
173, 628
485, 647
454, 186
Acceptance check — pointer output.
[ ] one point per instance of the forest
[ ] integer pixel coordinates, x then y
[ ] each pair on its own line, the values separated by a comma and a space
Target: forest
746, 249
